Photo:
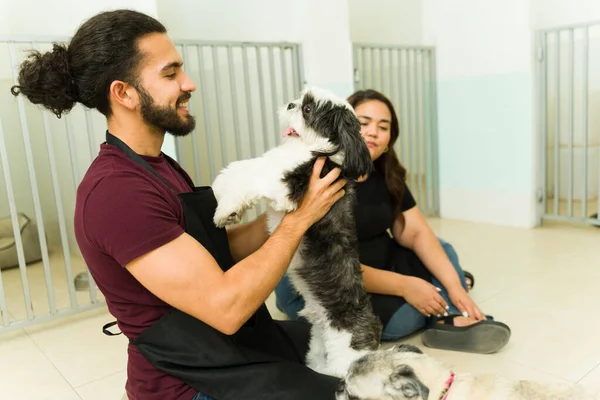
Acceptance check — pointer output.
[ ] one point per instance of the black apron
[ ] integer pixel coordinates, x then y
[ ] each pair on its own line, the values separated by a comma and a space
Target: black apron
264, 360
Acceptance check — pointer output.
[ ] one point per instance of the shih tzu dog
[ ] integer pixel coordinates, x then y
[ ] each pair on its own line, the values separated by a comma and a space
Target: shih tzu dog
403, 372
325, 268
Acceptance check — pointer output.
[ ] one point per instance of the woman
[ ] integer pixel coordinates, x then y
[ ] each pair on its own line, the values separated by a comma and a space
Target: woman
415, 279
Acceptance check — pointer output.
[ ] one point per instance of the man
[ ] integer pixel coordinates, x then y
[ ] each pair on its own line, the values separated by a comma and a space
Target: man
189, 296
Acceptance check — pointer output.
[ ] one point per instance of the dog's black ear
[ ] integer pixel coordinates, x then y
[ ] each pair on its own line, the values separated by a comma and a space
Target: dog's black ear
408, 348
404, 381
402, 371
357, 160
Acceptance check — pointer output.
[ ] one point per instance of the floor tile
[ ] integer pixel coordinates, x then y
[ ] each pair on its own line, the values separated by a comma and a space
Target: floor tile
541, 282
79, 349
110, 387
26, 373
492, 364
591, 381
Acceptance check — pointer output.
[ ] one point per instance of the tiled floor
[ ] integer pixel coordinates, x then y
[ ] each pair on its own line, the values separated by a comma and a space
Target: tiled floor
543, 282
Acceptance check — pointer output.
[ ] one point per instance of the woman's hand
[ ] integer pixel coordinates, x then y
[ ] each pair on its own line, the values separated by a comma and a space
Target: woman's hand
461, 299
423, 296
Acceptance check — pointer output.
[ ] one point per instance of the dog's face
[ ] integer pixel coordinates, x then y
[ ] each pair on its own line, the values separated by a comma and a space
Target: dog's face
383, 375
328, 126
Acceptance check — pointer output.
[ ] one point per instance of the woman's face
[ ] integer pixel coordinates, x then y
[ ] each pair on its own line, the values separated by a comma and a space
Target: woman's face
375, 120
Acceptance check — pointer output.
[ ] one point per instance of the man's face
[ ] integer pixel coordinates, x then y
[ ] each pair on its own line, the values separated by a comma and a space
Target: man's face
163, 87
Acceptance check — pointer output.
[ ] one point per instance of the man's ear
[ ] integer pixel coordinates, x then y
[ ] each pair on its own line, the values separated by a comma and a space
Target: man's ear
124, 94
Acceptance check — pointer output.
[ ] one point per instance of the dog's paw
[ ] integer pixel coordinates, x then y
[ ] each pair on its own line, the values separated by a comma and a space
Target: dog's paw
283, 203
322, 364
221, 222
316, 358
317, 364
339, 366
227, 216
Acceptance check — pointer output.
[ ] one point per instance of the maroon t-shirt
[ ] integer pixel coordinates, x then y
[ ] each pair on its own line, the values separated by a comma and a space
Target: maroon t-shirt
122, 212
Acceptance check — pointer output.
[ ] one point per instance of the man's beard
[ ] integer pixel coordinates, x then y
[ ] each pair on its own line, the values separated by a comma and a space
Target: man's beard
165, 117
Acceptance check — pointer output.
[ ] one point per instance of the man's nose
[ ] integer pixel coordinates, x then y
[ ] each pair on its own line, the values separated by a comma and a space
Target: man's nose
188, 85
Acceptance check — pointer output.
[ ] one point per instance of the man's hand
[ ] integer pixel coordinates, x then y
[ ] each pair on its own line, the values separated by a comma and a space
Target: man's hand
322, 193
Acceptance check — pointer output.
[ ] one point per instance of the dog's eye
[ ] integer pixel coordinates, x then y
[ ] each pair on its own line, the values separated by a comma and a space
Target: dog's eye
306, 108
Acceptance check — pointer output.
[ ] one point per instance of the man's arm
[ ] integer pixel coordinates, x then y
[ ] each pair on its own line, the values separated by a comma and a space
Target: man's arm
184, 274
245, 239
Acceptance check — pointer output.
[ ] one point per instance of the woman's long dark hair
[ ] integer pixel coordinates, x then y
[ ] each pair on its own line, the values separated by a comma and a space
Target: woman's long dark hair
388, 163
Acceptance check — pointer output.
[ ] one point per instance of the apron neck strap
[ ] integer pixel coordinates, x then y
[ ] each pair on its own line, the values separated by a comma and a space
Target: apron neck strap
132, 155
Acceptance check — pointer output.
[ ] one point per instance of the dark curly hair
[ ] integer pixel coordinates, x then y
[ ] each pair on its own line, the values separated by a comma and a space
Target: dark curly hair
104, 49
388, 163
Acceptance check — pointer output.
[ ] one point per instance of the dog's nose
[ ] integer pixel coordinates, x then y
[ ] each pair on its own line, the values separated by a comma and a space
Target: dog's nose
291, 106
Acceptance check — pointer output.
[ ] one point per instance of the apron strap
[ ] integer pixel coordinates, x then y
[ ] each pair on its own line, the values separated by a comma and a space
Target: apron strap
109, 325
132, 155
180, 170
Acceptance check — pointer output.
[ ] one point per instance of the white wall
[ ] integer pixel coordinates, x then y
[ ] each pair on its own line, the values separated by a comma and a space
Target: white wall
486, 71
398, 22
485, 105
59, 17
232, 20
554, 13
486, 130
496, 41
326, 45
47, 19
322, 27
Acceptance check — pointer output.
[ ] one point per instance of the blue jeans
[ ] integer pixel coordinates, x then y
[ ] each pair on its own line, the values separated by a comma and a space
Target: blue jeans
200, 396
405, 321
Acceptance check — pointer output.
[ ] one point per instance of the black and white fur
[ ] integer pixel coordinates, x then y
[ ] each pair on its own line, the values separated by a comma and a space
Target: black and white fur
383, 375
325, 269
404, 372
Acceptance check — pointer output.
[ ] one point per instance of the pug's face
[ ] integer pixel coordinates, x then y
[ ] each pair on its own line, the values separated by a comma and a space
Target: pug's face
385, 375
